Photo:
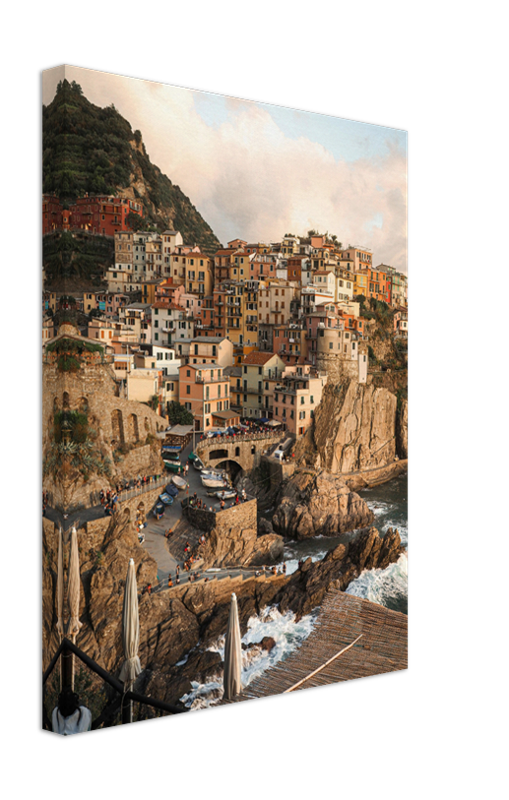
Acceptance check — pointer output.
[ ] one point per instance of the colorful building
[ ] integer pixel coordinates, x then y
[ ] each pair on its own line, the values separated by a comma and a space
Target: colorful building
52, 214
104, 214
297, 394
204, 389
259, 374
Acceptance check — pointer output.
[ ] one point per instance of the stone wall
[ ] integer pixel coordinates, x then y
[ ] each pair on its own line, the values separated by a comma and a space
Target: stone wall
337, 368
232, 537
243, 515
124, 430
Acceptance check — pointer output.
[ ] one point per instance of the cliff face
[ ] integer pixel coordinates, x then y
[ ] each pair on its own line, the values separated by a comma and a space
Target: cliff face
311, 505
354, 429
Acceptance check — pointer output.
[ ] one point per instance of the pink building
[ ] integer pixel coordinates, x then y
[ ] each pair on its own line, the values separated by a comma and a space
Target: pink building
296, 397
204, 390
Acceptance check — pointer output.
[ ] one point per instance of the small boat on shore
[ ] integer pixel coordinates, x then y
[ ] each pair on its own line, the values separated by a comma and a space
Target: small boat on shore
179, 482
166, 499
213, 482
225, 494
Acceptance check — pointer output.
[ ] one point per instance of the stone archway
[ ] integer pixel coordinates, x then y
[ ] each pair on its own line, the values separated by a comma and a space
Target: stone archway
233, 468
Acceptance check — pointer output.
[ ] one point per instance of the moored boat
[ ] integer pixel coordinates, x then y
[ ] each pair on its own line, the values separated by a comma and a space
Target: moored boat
166, 499
179, 482
225, 494
213, 483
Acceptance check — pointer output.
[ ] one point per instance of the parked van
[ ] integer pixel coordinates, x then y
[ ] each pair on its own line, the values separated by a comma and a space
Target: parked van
282, 449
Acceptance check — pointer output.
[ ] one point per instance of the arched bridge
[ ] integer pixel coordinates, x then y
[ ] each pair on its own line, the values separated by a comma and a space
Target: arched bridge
244, 450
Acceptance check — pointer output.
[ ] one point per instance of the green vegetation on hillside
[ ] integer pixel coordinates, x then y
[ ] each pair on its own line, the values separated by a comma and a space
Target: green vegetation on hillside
91, 149
68, 258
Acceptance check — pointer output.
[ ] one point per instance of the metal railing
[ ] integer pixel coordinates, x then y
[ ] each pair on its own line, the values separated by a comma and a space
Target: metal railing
134, 491
239, 437
66, 651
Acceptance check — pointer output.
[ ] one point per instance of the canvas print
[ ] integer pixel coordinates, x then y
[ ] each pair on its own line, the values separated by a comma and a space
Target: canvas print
224, 422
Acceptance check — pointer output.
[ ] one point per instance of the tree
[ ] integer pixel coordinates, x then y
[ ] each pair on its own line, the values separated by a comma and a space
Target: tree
178, 414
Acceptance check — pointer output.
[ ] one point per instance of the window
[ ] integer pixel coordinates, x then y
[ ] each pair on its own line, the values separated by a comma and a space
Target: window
187, 371
188, 389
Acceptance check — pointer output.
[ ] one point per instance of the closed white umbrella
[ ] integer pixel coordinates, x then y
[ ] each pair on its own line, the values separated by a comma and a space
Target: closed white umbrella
74, 592
131, 667
232, 654
74, 587
60, 586
60, 591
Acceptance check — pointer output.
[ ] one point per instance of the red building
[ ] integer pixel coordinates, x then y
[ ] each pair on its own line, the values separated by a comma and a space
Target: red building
103, 215
51, 214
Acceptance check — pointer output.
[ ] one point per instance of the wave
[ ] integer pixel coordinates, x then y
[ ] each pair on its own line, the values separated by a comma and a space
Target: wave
387, 587
286, 632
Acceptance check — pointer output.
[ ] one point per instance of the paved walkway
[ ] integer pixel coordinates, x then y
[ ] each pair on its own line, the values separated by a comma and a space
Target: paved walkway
155, 542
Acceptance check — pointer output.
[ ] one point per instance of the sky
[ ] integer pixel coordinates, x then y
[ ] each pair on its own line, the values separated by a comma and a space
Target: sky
256, 171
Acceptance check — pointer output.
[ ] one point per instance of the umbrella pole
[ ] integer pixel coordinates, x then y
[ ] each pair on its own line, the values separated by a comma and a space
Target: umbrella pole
67, 668
127, 706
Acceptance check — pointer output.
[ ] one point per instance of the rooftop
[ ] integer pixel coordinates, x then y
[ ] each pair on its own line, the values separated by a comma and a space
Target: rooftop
258, 358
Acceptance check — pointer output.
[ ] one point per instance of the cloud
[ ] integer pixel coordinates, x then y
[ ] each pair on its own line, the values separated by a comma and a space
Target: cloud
249, 180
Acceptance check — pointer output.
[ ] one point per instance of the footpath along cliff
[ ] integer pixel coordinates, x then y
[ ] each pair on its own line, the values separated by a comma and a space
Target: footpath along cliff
359, 436
177, 625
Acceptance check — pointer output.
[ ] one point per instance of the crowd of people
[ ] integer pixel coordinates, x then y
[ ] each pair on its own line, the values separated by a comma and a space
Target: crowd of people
109, 501
197, 502
248, 429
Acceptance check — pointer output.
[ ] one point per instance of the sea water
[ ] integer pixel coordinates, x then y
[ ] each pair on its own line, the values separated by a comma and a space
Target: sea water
286, 632
388, 587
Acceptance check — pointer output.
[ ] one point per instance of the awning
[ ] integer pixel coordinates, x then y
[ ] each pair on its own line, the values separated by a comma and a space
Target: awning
226, 415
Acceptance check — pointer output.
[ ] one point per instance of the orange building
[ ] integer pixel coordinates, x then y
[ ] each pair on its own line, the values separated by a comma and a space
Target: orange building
219, 302
294, 264
377, 285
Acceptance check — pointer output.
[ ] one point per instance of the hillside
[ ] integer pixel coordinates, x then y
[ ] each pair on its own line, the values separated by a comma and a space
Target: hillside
91, 149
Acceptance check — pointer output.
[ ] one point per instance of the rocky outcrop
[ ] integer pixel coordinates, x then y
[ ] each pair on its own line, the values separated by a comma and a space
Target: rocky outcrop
177, 625
311, 504
232, 537
402, 430
354, 429
307, 587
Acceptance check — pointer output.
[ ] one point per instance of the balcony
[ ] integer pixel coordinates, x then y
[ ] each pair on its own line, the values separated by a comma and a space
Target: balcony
208, 379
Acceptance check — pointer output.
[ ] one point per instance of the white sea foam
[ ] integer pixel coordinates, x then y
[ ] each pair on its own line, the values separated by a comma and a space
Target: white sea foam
286, 632
383, 586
